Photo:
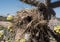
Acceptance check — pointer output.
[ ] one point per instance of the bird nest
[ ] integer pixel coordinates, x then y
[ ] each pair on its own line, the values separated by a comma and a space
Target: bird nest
31, 21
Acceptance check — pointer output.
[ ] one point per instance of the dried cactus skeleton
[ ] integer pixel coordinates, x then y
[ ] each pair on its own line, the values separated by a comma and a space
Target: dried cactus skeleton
35, 21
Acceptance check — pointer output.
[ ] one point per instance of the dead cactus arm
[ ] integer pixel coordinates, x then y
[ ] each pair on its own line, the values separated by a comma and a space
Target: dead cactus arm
47, 2
32, 2
55, 4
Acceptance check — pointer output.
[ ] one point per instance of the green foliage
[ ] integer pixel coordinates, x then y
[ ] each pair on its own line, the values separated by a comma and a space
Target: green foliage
1, 27
58, 18
2, 18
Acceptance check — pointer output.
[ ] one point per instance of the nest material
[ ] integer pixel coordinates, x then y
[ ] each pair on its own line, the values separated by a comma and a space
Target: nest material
33, 22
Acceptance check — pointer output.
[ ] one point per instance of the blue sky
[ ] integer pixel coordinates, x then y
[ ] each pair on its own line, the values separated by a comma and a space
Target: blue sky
12, 6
